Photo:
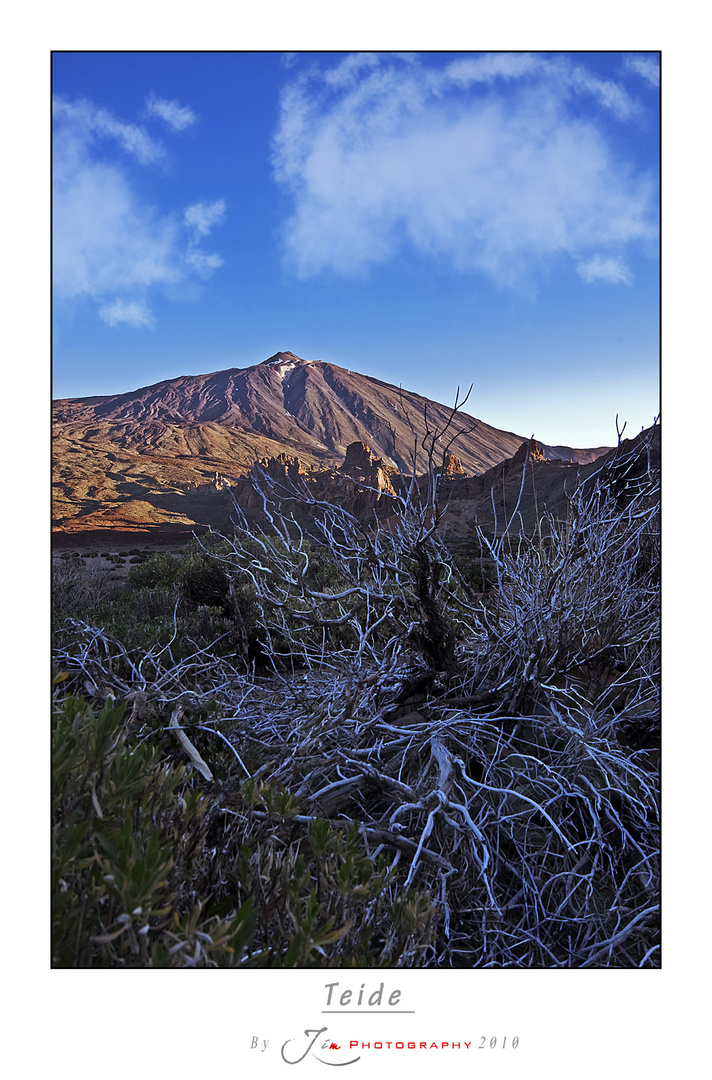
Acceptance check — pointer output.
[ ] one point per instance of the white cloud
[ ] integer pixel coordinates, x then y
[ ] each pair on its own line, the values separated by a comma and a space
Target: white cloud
104, 238
86, 120
203, 217
109, 245
177, 116
609, 94
203, 263
645, 66
344, 72
379, 155
490, 66
131, 312
558, 73
599, 268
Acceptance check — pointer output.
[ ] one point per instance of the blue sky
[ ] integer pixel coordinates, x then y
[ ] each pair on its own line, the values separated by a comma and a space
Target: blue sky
431, 219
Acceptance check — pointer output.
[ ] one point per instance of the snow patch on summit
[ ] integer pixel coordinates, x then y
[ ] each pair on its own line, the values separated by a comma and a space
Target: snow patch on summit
283, 367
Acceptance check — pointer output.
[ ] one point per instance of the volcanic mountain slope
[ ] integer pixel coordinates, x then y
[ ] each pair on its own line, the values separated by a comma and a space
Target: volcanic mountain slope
148, 459
309, 406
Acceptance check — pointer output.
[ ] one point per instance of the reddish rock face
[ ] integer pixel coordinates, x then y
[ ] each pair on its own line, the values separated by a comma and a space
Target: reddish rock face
358, 458
371, 472
529, 451
452, 466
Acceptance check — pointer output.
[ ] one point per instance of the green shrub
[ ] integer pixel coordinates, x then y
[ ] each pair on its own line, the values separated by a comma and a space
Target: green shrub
160, 571
184, 599
151, 870
123, 820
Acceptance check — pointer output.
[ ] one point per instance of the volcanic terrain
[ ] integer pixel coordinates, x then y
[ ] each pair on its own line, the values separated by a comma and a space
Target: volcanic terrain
156, 462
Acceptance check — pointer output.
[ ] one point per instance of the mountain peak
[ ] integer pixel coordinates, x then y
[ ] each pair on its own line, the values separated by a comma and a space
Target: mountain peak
147, 453
284, 358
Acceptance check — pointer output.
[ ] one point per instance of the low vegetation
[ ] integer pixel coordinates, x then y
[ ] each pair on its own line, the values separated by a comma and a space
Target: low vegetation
335, 744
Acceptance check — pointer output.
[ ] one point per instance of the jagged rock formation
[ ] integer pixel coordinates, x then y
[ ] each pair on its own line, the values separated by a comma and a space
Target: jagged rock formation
369, 471
283, 467
532, 451
452, 466
529, 481
362, 484
360, 459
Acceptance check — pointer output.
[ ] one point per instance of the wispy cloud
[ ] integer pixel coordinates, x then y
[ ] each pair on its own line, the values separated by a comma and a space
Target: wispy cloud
487, 164
647, 67
609, 94
109, 245
202, 217
612, 270
177, 116
558, 73
131, 312
203, 263
87, 121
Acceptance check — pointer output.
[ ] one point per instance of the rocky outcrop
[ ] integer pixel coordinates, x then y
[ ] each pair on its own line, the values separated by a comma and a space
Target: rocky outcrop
359, 458
528, 451
216, 486
452, 466
363, 484
369, 471
282, 467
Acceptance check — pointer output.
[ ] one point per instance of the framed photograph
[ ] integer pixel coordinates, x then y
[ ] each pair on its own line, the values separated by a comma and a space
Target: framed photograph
355, 551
